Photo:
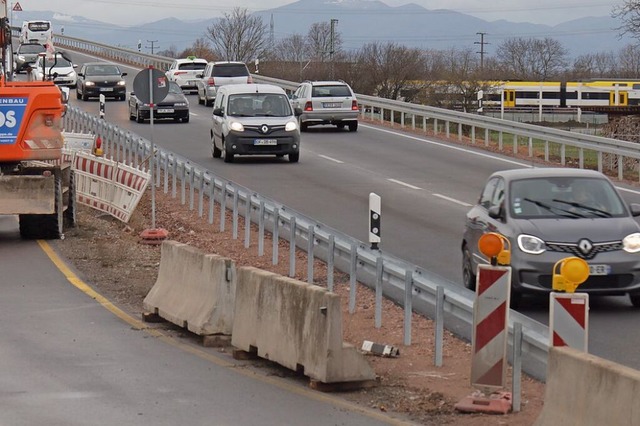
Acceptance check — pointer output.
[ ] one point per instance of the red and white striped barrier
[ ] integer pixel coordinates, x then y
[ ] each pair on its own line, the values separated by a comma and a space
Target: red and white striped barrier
569, 320
108, 186
490, 327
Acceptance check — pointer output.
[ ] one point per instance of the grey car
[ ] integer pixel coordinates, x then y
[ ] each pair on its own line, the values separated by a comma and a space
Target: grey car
549, 214
27, 54
217, 74
326, 102
254, 119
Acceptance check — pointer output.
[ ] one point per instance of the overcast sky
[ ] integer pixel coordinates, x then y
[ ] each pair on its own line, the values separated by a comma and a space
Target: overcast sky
131, 12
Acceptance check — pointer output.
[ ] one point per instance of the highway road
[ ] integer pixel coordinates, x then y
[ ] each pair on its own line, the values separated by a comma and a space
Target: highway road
70, 358
426, 187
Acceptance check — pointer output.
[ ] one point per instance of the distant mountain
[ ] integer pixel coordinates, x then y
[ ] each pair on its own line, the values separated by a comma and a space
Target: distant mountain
359, 22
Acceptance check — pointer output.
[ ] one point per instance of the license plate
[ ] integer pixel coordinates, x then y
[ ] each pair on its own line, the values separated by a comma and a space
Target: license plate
165, 111
332, 104
599, 269
265, 142
106, 89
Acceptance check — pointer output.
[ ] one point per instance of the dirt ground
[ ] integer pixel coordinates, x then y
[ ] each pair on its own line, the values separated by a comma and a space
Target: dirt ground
109, 256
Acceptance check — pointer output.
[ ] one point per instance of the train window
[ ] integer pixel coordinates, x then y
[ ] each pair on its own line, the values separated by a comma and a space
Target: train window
636, 86
595, 95
550, 95
527, 95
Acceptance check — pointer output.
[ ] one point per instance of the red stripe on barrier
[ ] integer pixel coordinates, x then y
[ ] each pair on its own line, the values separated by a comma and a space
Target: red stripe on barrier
576, 310
493, 376
492, 325
557, 340
488, 278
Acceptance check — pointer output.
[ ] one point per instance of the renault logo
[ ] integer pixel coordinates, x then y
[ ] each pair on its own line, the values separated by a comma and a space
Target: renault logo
585, 246
264, 128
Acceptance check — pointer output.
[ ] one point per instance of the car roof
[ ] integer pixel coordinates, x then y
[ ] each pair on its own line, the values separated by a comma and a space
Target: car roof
226, 62
186, 60
234, 89
327, 83
538, 172
100, 63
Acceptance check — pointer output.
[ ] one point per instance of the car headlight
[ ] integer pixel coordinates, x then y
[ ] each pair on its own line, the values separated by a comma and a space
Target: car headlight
631, 243
530, 244
291, 126
89, 83
122, 83
180, 104
236, 126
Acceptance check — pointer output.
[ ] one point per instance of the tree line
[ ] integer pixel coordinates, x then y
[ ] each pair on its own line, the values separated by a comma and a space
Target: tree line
394, 71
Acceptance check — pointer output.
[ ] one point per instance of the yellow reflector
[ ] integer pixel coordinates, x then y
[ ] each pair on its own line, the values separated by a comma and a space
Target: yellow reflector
575, 270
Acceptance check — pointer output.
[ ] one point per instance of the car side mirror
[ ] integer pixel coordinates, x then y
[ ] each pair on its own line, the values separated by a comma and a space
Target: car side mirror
297, 111
80, 74
635, 209
218, 112
75, 65
123, 74
495, 212
132, 94
198, 75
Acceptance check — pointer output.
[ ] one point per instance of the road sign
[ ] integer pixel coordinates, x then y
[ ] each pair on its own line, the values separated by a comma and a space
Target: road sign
151, 81
17, 7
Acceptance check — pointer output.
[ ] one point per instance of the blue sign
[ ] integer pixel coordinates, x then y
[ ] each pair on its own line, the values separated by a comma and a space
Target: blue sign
11, 113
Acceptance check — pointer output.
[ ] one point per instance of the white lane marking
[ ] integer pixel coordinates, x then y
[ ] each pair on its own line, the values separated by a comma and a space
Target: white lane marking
453, 200
444, 145
399, 182
331, 159
628, 190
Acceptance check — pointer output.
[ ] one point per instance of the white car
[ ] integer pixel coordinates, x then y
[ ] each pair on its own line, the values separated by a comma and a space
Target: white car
183, 72
59, 69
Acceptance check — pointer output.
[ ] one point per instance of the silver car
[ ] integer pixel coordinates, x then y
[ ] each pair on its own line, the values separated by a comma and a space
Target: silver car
27, 54
217, 74
326, 102
549, 214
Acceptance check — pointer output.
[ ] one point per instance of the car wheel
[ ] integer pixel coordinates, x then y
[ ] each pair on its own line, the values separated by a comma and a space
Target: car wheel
85, 97
200, 100
635, 300
132, 116
215, 152
353, 126
185, 119
226, 155
294, 157
139, 118
207, 102
468, 274
77, 94
303, 126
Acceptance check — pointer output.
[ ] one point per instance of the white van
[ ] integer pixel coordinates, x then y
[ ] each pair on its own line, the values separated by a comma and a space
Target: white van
36, 32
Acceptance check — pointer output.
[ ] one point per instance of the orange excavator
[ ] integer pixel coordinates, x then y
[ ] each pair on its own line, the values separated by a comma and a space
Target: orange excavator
35, 183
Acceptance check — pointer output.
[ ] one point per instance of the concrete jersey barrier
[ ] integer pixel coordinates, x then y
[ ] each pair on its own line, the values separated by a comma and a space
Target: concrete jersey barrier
586, 390
295, 324
194, 290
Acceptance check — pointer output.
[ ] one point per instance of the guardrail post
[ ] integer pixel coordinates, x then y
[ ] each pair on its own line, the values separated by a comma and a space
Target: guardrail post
292, 247
235, 214
581, 158
212, 199
515, 144
562, 154
516, 374
274, 235
473, 135
166, 173
330, 261
247, 220
201, 195
408, 305
500, 143
459, 131
620, 167
353, 269
183, 185
435, 126
530, 146
379, 272
310, 241
192, 181
486, 136
546, 150
261, 229
174, 184
439, 326
223, 205
600, 161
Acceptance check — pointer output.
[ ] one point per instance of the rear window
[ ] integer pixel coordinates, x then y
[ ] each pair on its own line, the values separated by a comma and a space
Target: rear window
230, 70
192, 66
329, 91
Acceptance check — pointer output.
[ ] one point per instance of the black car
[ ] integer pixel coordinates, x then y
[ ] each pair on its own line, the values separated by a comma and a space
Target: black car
101, 78
549, 214
174, 106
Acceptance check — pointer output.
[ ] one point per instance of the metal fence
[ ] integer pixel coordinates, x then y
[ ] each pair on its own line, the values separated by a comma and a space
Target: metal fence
410, 286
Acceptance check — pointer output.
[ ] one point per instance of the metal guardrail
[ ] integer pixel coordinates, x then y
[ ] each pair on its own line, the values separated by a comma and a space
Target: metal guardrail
396, 277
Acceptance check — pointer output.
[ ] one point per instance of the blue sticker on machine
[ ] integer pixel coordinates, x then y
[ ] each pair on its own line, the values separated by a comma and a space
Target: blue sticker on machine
11, 113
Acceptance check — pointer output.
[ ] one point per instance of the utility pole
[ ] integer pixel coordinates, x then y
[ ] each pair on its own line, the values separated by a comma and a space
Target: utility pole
152, 44
332, 43
481, 52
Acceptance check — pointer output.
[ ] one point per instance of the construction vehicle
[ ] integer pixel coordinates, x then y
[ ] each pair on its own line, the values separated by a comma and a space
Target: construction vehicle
35, 183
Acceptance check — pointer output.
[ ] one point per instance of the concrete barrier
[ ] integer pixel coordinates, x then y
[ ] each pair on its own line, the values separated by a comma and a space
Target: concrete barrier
585, 390
296, 325
194, 290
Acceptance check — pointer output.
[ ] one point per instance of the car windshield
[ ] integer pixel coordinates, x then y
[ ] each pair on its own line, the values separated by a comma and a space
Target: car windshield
330, 91
174, 88
569, 197
259, 105
105, 69
31, 48
61, 62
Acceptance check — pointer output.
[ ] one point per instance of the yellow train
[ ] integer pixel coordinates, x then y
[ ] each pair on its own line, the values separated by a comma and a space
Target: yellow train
555, 94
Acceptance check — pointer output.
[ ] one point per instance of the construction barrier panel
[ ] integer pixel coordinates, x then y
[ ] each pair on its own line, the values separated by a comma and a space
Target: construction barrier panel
108, 186
569, 320
194, 290
295, 324
586, 390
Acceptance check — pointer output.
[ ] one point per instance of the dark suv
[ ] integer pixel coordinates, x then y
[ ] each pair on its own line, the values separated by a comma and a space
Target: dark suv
218, 74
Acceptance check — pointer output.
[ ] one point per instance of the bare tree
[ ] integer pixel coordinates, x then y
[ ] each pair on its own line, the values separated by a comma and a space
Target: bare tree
293, 48
171, 52
320, 40
201, 49
629, 62
629, 13
532, 59
238, 36
593, 65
